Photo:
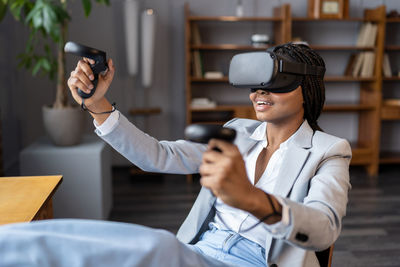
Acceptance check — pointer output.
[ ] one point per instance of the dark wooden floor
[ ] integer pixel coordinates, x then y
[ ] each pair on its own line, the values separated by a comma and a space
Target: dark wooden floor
371, 229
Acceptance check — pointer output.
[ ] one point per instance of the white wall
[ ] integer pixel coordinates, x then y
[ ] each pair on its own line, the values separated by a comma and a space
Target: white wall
22, 96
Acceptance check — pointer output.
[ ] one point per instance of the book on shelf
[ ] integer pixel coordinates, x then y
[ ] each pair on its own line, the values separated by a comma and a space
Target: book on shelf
362, 35
364, 64
367, 35
196, 38
391, 102
368, 64
350, 65
213, 75
197, 63
358, 61
202, 102
386, 69
372, 33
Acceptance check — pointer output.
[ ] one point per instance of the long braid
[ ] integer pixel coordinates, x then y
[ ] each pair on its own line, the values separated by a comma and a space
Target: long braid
313, 87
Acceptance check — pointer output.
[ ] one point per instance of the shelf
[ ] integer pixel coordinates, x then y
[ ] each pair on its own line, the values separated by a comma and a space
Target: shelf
348, 79
307, 19
205, 80
250, 47
361, 156
232, 18
390, 112
342, 48
388, 157
392, 48
348, 107
327, 79
222, 108
228, 47
392, 20
210, 122
393, 78
328, 107
144, 111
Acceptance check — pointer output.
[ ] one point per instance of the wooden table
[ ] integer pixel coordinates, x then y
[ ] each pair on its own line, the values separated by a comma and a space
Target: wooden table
24, 199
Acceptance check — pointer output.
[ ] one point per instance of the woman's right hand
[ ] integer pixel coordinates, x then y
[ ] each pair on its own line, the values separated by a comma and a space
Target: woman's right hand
82, 78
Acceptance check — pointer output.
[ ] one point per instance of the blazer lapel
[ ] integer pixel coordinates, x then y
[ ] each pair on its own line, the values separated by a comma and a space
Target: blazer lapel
295, 157
197, 216
287, 175
244, 143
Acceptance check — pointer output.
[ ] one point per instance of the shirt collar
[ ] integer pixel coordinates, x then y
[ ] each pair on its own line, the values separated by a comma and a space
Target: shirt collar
260, 134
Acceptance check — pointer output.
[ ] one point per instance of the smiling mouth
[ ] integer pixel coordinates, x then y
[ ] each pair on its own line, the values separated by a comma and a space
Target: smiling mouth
262, 103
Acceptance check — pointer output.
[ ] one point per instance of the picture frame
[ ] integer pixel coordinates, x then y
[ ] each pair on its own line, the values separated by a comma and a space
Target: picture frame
328, 9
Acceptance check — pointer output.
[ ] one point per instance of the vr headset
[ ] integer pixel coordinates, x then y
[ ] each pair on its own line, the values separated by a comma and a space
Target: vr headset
269, 71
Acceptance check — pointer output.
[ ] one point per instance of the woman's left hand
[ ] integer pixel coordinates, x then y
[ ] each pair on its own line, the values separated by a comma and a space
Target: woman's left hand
224, 173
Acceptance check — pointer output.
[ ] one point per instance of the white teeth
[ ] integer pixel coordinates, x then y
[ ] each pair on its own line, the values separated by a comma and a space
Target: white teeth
264, 103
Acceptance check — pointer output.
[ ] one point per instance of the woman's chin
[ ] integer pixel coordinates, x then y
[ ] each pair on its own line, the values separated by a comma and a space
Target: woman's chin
261, 116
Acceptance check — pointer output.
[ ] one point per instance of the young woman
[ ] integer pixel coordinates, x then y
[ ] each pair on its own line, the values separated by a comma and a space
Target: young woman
273, 198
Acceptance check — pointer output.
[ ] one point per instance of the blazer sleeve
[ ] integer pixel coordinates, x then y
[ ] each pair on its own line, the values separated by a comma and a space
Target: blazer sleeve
149, 154
316, 223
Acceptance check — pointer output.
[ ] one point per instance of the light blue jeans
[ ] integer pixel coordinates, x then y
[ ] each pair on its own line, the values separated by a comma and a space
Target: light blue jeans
231, 248
76, 243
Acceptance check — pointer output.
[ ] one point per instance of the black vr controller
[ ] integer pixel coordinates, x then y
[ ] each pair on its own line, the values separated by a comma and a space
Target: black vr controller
202, 133
98, 67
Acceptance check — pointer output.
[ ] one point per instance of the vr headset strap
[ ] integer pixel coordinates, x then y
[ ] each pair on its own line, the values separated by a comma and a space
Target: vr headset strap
300, 68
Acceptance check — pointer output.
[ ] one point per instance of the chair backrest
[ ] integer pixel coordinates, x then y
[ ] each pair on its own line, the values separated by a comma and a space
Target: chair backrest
325, 257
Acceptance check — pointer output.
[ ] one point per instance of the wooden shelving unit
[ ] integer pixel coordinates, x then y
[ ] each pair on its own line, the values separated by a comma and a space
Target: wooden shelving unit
390, 112
366, 151
220, 114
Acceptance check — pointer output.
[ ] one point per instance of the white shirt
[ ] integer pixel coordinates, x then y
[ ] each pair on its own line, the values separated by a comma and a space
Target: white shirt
233, 218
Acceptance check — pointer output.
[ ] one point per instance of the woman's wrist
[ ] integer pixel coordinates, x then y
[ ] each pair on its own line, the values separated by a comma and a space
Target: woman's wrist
261, 206
101, 106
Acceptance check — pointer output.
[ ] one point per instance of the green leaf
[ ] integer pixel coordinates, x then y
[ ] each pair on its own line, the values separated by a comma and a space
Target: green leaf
49, 18
61, 13
43, 16
46, 64
36, 68
87, 7
29, 44
16, 8
47, 49
34, 15
3, 8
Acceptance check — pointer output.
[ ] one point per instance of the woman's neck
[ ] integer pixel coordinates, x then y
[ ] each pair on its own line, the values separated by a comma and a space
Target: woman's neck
279, 133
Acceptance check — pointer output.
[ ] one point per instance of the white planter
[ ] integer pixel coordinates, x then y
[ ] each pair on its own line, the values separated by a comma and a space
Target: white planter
64, 126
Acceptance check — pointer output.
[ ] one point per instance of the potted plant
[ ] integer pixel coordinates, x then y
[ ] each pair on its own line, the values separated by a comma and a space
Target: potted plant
48, 21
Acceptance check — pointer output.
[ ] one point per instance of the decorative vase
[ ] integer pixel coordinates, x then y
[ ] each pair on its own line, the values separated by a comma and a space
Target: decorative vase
64, 126
147, 45
131, 9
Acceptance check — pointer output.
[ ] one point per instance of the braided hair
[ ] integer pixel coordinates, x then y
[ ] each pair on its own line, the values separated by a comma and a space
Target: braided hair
313, 87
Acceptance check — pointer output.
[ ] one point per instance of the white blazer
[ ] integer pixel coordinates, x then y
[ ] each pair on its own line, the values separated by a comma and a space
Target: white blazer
314, 183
